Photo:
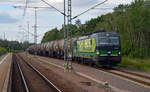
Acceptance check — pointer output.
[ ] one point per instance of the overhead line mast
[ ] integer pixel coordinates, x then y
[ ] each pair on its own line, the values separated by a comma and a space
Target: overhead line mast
26, 5
65, 34
69, 37
67, 30
35, 25
28, 25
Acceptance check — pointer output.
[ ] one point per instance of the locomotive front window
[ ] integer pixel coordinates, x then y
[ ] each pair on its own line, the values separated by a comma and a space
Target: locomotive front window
108, 40
114, 40
103, 40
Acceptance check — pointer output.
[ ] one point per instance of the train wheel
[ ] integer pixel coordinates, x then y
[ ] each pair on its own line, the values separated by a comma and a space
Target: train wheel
78, 60
90, 63
82, 61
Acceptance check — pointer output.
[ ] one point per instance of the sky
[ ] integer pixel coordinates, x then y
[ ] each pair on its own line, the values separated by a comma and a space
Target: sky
12, 21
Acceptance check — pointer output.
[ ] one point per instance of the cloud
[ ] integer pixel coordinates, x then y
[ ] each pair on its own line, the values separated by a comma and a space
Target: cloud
16, 1
5, 18
47, 18
84, 3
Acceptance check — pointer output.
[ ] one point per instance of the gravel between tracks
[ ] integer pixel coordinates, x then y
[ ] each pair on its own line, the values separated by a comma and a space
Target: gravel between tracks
17, 84
116, 82
67, 81
134, 71
35, 82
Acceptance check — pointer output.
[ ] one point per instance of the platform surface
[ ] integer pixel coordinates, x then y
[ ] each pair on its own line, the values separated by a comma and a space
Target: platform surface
5, 66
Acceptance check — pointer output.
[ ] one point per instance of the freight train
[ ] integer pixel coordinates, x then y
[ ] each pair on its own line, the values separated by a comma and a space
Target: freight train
98, 48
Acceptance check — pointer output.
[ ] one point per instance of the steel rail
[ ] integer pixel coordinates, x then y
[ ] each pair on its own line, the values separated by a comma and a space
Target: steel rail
41, 75
23, 78
127, 77
124, 76
121, 75
135, 74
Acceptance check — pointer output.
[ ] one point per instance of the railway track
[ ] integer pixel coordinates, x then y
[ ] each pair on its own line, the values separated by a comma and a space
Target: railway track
23, 78
32, 79
135, 74
136, 78
18, 85
130, 76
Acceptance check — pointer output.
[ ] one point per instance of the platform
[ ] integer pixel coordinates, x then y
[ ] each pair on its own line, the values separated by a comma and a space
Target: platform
5, 67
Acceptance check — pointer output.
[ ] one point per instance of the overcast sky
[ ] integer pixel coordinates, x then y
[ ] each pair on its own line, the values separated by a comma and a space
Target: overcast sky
11, 18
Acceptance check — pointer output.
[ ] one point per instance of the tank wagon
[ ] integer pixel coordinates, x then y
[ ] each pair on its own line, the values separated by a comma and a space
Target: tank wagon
99, 48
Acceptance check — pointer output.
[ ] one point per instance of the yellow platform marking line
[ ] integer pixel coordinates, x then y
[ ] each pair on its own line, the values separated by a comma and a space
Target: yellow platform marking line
132, 76
88, 77
3, 59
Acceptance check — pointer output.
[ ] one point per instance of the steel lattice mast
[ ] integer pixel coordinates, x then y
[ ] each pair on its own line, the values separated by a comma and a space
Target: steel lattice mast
65, 34
69, 36
35, 26
68, 53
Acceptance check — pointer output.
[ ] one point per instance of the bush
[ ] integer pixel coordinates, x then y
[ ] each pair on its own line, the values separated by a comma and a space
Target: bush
136, 64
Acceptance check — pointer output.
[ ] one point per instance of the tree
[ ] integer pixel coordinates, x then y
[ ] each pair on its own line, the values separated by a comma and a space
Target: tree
78, 23
131, 21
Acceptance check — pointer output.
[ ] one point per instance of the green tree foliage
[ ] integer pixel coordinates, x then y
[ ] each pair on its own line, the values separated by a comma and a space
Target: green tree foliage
132, 22
14, 45
51, 35
2, 50
78, 23
134, 28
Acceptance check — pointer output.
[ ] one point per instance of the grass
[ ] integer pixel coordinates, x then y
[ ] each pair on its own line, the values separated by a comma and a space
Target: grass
135, 64
1, 53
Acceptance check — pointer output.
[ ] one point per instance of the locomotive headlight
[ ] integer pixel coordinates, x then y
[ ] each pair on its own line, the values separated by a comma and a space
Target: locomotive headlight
109, 52
119, 52
97, 53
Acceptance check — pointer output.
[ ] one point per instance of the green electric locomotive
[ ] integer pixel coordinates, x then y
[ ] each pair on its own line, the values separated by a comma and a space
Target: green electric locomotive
99, 48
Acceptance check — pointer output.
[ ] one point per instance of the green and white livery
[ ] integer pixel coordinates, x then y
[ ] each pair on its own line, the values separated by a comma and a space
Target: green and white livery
101, 48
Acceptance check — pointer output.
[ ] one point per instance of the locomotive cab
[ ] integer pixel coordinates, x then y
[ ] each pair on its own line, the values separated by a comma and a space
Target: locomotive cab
109, 48
102, 48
